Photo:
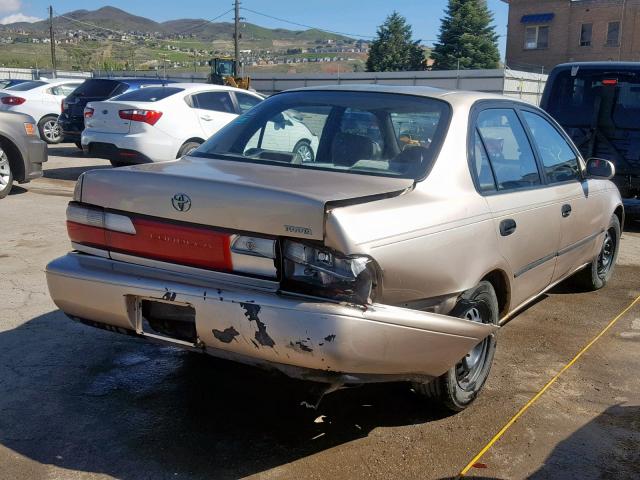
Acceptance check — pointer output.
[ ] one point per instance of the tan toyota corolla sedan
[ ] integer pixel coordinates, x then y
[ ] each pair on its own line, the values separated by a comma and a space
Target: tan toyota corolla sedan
425, 219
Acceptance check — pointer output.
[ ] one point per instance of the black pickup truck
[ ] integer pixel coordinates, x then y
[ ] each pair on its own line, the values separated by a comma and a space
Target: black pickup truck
598, 104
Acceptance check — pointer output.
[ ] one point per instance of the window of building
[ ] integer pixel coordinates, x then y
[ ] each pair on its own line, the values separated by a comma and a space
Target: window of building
613, 34
536, 37
585, 34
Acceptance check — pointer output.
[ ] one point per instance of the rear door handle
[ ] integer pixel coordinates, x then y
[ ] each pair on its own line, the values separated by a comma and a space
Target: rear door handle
507, 227
566, 210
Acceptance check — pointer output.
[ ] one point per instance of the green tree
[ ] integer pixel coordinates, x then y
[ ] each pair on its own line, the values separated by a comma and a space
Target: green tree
467, 35
393, 50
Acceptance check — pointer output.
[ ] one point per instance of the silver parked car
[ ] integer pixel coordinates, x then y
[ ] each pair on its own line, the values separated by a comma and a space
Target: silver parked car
22, 153
426, 220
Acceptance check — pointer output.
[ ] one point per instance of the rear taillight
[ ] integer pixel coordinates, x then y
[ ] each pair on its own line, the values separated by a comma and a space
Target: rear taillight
62, 106
155, 239
88, 112
136, 115
11, 100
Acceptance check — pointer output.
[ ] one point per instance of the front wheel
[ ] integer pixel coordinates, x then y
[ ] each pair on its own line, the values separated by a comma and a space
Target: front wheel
459, 387
6, 177
50, 130
598, 273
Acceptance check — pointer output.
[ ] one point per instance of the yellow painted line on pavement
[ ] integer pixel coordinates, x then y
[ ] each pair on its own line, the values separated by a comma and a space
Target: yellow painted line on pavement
526, 406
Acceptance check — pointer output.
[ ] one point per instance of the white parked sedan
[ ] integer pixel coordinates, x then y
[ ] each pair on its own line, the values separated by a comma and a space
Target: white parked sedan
156, 124
40, 99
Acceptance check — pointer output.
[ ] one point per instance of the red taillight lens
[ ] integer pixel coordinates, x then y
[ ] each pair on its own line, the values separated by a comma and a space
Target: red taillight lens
12, 100
146, 116
186, 245
88, 112
610, 82
62, 105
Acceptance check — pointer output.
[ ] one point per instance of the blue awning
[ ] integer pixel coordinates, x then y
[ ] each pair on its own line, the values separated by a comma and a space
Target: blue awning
537, 18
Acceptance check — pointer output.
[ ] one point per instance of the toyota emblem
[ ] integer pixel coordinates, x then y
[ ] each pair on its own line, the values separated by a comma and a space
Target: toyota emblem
181, 202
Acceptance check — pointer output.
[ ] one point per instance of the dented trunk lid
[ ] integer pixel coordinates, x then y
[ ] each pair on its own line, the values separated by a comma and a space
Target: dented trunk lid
234, 195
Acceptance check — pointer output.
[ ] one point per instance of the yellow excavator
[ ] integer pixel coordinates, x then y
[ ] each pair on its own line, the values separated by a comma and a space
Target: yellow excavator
224, 72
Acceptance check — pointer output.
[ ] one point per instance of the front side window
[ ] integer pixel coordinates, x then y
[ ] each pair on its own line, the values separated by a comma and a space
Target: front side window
347, 131
613, 34
536, 37
508, 149
559, 160
585, 34
216, 101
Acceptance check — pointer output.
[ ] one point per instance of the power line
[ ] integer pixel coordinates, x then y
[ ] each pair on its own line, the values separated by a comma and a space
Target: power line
307, 26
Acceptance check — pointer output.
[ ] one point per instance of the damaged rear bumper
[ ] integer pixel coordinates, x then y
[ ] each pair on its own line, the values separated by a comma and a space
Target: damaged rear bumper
303, 338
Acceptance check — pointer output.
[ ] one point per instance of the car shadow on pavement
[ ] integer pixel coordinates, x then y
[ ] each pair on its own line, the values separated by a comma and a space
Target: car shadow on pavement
84, 399
68, 150
71, 173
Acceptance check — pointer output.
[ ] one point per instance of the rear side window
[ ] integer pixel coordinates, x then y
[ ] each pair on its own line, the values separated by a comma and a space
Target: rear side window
559, 160
101, 88
508, 149
64, 89
216, 101
246, 102
481, 165
150, 94
23, 87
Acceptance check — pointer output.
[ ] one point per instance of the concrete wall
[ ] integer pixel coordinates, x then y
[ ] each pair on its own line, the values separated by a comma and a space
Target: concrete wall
522, 85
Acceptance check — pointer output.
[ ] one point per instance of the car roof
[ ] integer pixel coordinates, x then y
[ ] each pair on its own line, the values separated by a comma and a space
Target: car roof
599, 65
451, 96
135, 80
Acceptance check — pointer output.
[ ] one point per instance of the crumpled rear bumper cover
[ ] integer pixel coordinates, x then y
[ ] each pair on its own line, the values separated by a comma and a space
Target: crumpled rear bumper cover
301, 337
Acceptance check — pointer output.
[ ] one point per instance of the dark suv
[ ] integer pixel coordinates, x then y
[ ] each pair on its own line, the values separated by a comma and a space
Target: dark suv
71, 119
598, 104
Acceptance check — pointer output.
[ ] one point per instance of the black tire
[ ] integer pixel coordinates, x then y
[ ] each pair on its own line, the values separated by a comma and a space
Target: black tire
459, 387
78, 144
304, 146
598, 273
187, 148
49, 129
6, 176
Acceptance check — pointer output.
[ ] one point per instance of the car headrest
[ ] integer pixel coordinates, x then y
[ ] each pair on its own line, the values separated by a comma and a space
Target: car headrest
410, 160
348, 148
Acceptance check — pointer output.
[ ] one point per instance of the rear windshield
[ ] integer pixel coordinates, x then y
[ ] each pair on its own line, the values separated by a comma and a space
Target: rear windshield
352, 132
101, 88
23, 87
610, 96
150, 94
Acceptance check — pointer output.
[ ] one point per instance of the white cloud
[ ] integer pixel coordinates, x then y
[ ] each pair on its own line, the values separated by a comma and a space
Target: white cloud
7, 6
18, 17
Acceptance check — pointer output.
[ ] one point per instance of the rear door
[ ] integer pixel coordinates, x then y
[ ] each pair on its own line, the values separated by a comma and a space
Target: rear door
214, 109
578, 201
526, 224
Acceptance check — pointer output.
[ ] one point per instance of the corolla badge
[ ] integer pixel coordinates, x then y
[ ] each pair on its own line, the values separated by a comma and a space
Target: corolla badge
181, 202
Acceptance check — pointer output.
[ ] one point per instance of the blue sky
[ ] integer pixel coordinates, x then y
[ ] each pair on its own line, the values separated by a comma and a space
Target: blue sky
355, 17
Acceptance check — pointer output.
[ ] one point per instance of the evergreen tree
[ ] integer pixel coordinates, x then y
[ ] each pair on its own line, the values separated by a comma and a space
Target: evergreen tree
468, 36
393, 50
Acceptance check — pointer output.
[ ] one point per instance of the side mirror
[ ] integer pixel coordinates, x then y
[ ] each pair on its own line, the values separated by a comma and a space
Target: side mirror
600, 169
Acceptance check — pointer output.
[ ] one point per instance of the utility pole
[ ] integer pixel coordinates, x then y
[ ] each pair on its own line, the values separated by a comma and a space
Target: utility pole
53, 43
236, 34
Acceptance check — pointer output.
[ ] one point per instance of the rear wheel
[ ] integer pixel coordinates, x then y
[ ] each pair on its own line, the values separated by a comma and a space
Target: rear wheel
6, 177
303, 151
187, 148
596, 275
50, 130
459, 387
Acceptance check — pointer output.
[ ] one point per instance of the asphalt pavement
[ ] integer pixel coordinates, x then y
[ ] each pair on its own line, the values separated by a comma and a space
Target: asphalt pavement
81, 403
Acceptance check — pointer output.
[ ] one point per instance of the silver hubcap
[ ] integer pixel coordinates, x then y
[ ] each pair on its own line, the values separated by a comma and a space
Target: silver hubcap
51, 130
4, 170
305, 153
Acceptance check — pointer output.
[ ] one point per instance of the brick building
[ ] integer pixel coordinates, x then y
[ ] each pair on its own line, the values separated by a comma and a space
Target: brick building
543, 33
